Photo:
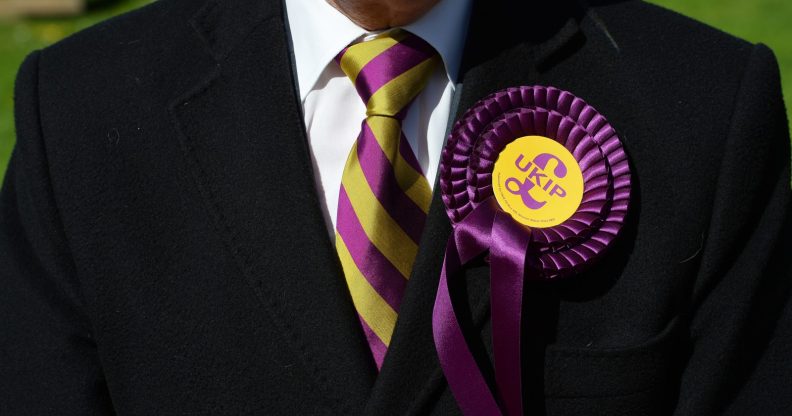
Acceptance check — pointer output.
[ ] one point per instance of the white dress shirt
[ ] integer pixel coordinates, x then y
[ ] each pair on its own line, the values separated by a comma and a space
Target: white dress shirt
334, 111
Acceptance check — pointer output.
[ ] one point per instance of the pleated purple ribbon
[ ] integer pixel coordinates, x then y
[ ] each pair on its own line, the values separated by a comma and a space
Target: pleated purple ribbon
517, 253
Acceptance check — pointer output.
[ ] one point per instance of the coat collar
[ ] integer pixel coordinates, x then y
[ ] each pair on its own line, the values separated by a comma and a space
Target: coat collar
223, 25
267, 210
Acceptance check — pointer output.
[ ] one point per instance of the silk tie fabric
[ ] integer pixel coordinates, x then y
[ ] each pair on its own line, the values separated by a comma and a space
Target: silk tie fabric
384, 196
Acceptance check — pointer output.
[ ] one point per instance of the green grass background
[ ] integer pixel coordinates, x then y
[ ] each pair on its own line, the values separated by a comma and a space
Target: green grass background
767, 21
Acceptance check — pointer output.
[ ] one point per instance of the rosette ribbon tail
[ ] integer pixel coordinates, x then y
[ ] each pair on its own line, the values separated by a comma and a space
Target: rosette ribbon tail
485, 229
470, 239
509, 254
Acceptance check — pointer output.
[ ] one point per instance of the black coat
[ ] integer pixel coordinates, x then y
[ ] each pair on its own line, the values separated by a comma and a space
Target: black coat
163, 251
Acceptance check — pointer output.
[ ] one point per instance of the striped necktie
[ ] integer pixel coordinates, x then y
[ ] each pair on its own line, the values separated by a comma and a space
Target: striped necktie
384, 196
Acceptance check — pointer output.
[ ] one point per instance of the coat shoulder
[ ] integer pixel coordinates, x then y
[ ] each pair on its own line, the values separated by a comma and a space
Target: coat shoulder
659, 33
132, 65
159, 26
145, 53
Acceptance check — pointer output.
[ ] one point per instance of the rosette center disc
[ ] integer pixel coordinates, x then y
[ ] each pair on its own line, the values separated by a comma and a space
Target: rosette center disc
538, 182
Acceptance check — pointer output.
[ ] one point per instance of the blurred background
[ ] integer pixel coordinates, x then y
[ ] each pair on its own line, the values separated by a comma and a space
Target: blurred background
26, 25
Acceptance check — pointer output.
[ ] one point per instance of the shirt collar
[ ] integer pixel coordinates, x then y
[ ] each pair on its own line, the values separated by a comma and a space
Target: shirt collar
319, 32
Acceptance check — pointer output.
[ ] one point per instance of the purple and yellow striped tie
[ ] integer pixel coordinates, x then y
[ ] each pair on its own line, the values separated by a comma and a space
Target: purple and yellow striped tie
384, 197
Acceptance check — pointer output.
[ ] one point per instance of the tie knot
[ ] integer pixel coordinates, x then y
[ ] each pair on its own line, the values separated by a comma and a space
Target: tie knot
389, 71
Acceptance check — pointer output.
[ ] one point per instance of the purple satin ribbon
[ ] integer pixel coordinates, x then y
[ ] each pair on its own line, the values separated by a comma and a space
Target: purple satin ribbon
517, 253
469, 240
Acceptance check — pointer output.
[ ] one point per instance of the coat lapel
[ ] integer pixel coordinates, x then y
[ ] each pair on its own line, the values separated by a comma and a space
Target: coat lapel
502, 50
242, 133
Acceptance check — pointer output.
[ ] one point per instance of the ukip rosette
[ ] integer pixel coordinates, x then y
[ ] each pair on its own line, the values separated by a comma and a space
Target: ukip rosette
537, 180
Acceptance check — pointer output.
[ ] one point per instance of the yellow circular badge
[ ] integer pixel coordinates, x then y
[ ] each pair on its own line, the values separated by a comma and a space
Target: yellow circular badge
537, 181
